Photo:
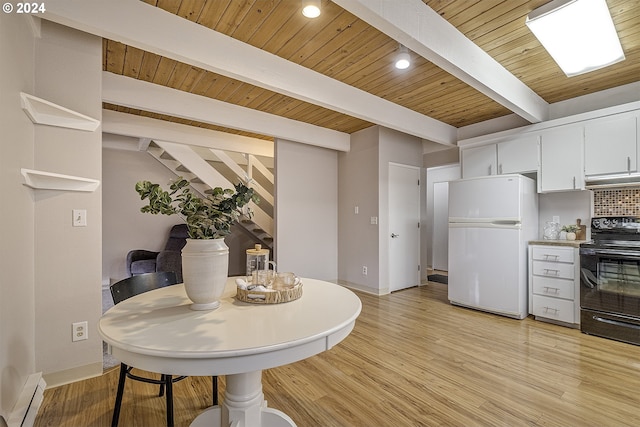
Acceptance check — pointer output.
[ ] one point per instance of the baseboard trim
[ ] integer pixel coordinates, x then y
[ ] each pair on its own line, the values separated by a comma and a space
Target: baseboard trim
365, 289
68, 376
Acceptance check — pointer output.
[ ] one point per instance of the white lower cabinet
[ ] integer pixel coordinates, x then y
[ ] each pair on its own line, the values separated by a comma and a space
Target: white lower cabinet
554, 283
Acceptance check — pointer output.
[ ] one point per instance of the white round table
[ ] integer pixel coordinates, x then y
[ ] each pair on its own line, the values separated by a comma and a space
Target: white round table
156, 331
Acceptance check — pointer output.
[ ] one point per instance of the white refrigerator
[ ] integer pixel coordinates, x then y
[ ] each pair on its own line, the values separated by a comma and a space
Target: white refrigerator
491, 221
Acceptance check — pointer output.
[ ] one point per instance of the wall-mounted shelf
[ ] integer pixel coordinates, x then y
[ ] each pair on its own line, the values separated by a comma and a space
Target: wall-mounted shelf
55, 181
47, 113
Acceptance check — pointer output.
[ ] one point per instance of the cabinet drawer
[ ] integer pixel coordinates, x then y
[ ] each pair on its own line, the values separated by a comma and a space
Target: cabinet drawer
553, 308
550, 253
553, 269
551, 287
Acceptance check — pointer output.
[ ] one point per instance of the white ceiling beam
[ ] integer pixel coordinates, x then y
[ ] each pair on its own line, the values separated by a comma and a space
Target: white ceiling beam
152, 29
131, 125
129, 92
422, 30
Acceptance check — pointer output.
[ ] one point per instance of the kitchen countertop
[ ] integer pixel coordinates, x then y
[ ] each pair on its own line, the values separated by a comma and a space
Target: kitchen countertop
563, 242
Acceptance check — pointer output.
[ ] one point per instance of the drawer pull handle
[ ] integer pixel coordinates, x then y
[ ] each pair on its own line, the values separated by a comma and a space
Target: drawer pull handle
548, 309
615, 322
548, 256
551, 272
549, 289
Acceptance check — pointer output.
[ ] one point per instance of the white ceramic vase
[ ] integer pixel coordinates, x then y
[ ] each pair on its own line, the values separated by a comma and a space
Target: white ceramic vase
571, 236
205, 265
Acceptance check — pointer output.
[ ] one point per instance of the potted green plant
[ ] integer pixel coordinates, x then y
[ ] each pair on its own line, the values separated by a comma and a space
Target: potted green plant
571, 231
205, 257
207, 217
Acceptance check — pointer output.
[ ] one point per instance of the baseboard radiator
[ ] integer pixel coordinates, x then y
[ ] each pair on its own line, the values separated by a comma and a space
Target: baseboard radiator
26, 408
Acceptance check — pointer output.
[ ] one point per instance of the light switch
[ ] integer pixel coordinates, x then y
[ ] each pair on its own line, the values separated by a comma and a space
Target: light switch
79, 217
356, 210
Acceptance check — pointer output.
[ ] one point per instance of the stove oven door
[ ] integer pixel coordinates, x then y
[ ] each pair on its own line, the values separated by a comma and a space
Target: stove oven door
610, 293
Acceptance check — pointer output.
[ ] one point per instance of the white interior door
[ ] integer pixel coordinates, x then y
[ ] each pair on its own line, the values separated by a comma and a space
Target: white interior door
440, 236
404, 232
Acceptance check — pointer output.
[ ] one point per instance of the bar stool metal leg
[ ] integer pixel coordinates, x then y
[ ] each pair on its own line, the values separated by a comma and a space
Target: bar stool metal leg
163, 381
116, 408
169, 387
214, 380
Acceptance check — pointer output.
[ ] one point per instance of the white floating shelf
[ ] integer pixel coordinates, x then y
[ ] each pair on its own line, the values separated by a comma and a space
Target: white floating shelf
47, 113
55, 181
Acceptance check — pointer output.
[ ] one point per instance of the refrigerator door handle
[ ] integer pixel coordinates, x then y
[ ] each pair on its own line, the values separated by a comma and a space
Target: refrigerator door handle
501, 220
506, 222
512, 225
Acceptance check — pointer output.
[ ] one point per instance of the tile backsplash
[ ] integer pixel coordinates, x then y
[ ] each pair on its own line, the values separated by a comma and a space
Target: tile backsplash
616, 202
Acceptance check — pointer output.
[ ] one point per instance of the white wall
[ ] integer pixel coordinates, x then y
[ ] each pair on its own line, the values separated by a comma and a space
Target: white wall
568, 205
306, 211
17, 297
358, 186
364, 178
68, 260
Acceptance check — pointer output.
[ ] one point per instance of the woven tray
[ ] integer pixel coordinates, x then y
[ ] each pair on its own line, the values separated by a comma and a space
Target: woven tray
275, 296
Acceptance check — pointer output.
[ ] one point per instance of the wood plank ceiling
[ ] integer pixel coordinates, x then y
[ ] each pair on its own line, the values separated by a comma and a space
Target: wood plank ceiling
345, 48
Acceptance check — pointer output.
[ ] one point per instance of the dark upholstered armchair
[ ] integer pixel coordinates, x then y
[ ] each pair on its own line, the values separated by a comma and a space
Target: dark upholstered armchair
141, 261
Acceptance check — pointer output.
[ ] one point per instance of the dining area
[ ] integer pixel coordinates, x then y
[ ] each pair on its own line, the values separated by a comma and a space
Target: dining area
158, 331
411, 359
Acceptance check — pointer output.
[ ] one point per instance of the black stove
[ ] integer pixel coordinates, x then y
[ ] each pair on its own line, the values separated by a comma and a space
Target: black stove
614, 232
610, 279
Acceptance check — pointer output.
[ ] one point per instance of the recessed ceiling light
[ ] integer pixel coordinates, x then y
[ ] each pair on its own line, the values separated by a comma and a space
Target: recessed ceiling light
578, 34
311, 8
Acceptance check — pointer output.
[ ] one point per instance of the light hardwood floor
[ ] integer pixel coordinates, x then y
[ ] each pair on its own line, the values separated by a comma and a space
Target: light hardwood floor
412, 360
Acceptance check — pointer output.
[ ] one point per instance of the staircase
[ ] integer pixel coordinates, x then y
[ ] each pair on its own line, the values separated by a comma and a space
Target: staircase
207, 168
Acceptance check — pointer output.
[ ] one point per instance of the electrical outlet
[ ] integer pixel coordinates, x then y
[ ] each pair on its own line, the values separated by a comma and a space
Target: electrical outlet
79, 331
364, 270
556, 219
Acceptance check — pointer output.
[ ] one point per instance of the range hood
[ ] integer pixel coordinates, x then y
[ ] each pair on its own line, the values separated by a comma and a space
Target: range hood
612, 181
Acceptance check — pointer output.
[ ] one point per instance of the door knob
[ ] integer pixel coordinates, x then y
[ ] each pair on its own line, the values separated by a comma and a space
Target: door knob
394, 235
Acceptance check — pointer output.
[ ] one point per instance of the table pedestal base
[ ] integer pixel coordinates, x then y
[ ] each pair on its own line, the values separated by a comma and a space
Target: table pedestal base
243, 406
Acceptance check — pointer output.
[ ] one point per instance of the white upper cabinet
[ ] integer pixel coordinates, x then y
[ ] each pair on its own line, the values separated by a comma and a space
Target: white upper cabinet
519, 155
611, 146
479, 161
564, 152
561, 165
